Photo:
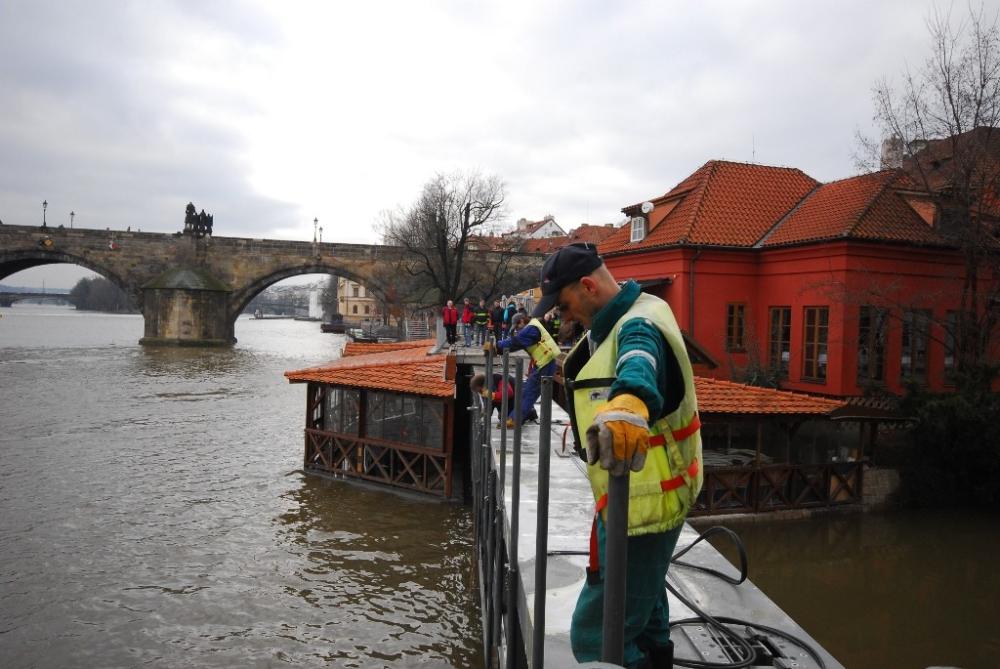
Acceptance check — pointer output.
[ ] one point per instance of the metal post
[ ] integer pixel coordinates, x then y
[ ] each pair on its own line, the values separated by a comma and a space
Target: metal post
513, 629
542, 526
498, 502
489, 525
615, 557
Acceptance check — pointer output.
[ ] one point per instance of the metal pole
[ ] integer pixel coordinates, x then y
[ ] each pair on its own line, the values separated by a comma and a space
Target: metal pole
542, 527
513, 629
489, 525
615, 562
498, 503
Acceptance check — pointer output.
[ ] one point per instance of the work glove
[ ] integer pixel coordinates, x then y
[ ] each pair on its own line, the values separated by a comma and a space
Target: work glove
619, 436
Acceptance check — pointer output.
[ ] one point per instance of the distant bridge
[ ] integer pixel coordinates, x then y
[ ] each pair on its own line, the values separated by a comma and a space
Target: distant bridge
7, 298
191, 289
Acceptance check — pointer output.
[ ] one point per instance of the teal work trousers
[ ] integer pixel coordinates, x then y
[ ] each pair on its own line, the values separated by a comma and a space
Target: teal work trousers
646, 612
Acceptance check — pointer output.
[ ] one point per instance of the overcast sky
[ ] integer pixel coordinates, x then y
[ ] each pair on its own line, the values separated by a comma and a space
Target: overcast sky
268, 115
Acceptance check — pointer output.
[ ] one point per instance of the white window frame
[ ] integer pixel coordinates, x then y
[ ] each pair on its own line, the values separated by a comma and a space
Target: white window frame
638, 229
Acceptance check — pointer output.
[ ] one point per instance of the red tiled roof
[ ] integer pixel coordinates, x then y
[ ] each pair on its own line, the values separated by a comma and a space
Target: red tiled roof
352, 348
593, 234
408, 370
722, 203
863, 207
725, 397
544, 244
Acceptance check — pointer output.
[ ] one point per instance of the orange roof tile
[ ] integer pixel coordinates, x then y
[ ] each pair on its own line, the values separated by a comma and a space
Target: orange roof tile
544, 244
862, 207
408, 370
363, 348
722, 204
593, 234
717, 396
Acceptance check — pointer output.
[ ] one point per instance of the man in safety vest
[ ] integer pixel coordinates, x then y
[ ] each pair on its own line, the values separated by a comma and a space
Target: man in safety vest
542, 348
630, 395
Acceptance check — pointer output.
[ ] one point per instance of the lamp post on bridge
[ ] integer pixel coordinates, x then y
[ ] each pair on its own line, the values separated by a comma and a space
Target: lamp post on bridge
315, 223
321, 234
72, 214
45, 205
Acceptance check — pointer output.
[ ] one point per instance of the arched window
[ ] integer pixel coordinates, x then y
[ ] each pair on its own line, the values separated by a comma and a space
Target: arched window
367, 309
354, 309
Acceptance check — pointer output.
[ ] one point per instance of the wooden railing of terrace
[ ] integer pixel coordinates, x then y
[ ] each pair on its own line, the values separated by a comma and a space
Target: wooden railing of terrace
424, 470
778, 487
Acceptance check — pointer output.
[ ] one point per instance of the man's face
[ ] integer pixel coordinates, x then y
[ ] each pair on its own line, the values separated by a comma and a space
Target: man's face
576, 304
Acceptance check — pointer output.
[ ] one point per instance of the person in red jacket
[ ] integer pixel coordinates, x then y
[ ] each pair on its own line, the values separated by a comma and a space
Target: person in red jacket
468, 313
449, 318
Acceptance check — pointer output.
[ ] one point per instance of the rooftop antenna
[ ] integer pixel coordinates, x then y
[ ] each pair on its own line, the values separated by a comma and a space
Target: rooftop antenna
753, 148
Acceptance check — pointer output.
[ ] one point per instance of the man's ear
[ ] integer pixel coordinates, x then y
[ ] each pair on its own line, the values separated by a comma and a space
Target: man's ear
588, 284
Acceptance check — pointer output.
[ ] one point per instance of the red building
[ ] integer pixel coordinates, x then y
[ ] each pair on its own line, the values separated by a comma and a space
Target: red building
842, 289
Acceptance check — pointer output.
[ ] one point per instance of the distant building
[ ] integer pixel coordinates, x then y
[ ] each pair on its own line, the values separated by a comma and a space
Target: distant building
354, 300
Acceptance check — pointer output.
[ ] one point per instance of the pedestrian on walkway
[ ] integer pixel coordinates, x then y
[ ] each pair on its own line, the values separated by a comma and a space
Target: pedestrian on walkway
467, 316
632, 406
449, 318
496, 320
481, 317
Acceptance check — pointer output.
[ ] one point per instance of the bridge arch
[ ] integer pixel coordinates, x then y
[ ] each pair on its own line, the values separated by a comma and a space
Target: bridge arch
241, 298
12, 262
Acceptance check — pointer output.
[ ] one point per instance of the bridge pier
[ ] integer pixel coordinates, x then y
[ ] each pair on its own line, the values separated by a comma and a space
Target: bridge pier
186, 307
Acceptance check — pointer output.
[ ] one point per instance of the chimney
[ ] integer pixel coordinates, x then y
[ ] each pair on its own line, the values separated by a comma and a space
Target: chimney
892, 153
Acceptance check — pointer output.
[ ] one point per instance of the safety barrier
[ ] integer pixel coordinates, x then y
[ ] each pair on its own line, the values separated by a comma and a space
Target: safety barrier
497, 548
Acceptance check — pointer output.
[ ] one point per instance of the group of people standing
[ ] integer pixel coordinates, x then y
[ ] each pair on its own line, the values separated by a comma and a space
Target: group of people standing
479, 321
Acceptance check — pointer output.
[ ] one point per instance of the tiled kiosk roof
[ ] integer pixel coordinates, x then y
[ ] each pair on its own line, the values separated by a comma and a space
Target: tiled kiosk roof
410, 369
725, 397
407, 367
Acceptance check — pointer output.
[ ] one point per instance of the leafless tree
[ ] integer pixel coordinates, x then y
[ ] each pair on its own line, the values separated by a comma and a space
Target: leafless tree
940, 126
439, 233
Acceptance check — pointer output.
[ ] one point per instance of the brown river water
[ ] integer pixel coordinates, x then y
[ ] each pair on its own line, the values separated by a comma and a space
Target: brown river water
153, 513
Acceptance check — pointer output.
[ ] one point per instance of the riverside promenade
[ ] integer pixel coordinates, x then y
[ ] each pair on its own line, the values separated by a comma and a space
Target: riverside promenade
509, 640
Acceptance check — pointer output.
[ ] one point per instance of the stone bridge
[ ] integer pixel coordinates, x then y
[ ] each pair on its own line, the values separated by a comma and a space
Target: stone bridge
191, 289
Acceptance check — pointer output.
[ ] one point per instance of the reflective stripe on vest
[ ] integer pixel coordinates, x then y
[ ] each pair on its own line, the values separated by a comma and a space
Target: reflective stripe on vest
546, 350
668, 484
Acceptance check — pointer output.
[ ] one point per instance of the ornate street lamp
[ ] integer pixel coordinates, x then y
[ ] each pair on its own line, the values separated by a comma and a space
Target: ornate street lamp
71, 215
45, 205
321, 234
315, 223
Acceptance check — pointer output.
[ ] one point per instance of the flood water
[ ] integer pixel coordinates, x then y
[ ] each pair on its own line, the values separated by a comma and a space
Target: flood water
902, 589
153, 512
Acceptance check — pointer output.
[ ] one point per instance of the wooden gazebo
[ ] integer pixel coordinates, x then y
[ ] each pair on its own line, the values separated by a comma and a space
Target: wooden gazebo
382, 413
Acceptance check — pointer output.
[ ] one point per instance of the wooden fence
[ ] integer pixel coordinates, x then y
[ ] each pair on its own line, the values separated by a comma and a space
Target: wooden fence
778, 487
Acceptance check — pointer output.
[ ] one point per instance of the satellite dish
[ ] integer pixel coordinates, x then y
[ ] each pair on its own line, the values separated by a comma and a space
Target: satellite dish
647, 207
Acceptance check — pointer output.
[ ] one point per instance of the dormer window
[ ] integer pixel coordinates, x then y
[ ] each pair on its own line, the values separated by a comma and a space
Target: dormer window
638, 228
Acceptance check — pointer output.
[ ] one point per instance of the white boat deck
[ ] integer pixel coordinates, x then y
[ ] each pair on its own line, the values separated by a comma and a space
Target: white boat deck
570, 518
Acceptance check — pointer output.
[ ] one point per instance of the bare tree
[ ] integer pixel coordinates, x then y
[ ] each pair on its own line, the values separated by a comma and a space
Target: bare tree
439, 232
940, 126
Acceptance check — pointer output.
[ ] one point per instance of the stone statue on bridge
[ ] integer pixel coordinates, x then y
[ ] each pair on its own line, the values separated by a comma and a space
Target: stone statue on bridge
197, 225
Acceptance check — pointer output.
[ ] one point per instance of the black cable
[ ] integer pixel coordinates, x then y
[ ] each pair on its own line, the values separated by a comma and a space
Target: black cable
720, 622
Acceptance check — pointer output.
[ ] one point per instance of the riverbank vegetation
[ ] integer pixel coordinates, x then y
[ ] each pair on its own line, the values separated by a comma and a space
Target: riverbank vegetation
99, 294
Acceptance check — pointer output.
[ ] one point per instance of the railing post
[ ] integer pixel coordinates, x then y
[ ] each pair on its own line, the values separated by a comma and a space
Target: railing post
498, 501
615, 563
511, 620
542, 526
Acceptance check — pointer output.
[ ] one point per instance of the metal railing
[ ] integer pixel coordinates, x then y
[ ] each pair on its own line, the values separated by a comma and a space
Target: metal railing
497, 549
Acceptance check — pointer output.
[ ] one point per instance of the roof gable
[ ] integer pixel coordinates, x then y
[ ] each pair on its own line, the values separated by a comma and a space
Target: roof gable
868, 206
721, 204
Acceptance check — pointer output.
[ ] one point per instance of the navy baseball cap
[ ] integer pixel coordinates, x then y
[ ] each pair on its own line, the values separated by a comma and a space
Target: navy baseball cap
568, 264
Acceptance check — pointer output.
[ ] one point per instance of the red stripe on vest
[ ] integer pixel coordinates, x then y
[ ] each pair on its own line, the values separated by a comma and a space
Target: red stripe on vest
679, 435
